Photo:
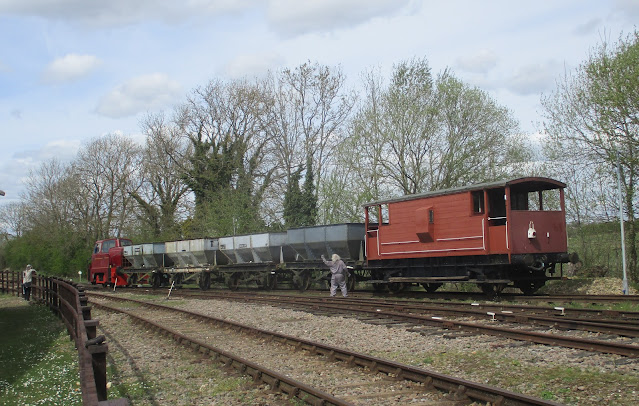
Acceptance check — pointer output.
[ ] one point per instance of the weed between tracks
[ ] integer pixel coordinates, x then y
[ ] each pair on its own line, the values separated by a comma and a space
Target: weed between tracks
531, 376
41, 369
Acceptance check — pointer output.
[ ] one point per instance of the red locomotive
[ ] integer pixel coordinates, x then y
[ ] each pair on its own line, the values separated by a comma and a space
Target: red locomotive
107, 260
491, 234
498, 234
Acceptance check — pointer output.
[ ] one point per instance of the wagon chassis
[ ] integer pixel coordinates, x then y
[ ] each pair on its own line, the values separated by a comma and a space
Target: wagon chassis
268, 276
491, 273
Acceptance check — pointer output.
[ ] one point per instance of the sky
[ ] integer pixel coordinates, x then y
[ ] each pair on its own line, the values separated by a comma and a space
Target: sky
75, 70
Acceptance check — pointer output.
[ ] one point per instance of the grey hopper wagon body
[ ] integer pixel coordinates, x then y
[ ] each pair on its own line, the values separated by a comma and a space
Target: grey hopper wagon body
345, 240
257, 248
194, 253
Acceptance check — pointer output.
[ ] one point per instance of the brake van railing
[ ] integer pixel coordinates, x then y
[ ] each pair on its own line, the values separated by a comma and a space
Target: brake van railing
69, 302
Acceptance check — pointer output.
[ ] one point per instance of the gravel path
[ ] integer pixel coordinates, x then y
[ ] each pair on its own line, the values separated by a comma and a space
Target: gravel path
177, 376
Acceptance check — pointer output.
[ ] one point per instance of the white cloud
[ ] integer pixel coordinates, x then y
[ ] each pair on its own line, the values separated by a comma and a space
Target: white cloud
253, 65
588, 27
15, 170
142, 93
293, 17
120, 12
533, 79
481, 62
629, 9
70, 67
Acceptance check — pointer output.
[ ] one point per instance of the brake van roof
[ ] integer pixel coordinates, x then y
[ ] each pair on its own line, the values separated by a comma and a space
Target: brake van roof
530, 183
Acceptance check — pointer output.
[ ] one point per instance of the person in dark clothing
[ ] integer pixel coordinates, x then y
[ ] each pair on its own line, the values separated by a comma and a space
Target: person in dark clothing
339, 272
27, 279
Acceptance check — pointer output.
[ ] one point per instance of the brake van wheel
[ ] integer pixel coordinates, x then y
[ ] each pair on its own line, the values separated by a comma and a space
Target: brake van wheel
492, 289
529, 287
396, 287
431, 287
380, 287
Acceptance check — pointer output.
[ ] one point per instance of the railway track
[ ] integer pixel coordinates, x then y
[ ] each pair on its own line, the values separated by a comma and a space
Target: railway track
461, 296
376, 381
518, 297
621, 339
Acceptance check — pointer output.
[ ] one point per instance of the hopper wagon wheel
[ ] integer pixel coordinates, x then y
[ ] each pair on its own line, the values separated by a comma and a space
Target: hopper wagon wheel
350, 282
270, 281
156, 280
302, 280
205, 280
234, 281
177, 279
132, 280
431, 287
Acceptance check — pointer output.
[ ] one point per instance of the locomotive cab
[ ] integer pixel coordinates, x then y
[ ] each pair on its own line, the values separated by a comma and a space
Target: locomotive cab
106, 259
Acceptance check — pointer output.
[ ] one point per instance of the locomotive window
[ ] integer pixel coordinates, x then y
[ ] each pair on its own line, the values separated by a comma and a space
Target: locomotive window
125, 243
107, 245
96, 249
478, 202
385, 214
431, 216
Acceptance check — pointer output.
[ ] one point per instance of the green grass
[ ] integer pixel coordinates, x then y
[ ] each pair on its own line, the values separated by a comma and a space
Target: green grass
533, 377
38, 362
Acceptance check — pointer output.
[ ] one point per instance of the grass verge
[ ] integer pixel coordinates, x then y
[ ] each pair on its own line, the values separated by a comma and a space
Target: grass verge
39, 364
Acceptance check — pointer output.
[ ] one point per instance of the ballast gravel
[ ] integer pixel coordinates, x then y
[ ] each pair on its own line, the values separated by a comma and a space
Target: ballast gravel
566, 376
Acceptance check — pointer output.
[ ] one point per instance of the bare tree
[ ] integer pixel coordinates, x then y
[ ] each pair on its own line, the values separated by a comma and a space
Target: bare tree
107, 170
162, 197
13, 219
307, 119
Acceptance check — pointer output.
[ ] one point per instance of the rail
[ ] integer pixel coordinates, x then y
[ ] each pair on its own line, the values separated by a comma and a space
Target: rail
70, 303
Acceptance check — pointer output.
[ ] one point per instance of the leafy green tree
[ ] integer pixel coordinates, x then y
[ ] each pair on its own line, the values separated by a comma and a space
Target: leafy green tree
594, 115
230, 161
421, 133
300, 205
309, 197
293, 201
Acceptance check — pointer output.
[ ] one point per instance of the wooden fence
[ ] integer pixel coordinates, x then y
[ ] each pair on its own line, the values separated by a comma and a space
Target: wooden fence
69, 302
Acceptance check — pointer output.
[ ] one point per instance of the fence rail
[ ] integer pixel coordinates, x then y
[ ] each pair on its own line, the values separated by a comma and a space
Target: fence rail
69, 302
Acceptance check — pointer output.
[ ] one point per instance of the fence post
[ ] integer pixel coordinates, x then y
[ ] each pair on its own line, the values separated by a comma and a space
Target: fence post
98, 360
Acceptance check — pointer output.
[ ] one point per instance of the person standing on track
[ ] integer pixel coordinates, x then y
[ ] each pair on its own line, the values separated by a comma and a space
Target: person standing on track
27, 279
339, 272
